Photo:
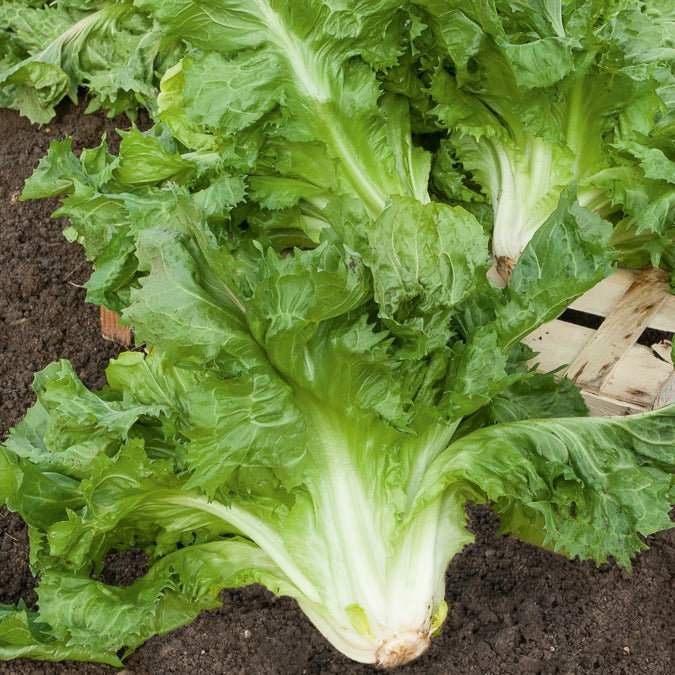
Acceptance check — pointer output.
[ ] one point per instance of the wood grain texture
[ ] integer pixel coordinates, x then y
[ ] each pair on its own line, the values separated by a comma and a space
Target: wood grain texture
616, 375
113, 331
603, 297
593, 367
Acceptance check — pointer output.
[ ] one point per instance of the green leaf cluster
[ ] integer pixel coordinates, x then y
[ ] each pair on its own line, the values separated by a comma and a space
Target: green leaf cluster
49, 50
536, 95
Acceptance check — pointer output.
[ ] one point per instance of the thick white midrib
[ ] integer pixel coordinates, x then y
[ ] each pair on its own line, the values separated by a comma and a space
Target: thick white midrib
413, 575
257, 531
575, 125
355, 646
318, 88
507, 230
294, 53
596, 200
347, 514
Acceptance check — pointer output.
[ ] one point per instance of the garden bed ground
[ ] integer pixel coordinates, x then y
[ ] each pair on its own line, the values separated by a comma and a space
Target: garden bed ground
514, 609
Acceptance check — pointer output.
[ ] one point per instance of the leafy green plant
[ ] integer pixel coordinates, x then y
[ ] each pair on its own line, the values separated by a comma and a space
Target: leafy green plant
536, 95
50, 50
331, 376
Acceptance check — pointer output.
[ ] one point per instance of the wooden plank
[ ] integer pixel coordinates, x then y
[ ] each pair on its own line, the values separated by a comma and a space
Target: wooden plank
495, 277
604, 296
666, 395
558, 343
602, 406
638, 377
620, 330
663, 350
111, 329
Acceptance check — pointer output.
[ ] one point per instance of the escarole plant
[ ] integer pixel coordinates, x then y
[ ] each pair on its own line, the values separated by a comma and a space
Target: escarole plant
536, 95
332, 375
49, 50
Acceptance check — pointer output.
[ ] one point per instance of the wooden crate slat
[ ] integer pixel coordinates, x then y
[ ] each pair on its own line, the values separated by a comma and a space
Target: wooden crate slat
604, 296
558, 343
663, 350
602, 406
638, 378
667, 393
112, 330
620, 330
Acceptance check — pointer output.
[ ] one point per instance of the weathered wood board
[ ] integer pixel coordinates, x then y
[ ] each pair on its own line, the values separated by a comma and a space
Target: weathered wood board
616, 375
113, 331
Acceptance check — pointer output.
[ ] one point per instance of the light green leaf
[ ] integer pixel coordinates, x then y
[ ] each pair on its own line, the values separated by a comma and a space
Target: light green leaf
239, 425
539, 396
24, 636
567, 256
143, 161
582, 487
34, 88
54, 50
70, 425
186, 304
84, 619
424, 258
56, 172
246, 99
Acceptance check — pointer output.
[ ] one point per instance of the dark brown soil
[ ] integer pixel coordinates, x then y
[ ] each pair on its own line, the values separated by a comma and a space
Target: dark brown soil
514, 609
